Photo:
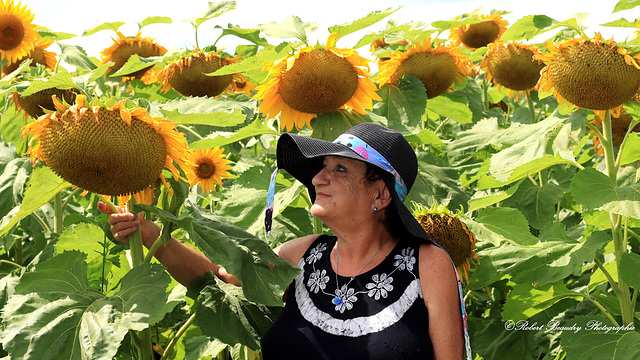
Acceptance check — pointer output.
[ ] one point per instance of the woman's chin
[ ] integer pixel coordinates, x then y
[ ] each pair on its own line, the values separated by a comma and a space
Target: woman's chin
317, 211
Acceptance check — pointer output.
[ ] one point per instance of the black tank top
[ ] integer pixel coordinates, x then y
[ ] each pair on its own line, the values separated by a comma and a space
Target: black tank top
379, 314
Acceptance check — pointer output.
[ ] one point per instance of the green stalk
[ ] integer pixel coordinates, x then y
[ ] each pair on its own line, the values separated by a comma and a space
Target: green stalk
485, 93
179, 334
532, 109
58, 214
135, 241
616, 222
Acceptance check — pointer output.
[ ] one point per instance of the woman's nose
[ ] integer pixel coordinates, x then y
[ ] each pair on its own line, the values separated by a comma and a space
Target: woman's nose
320, 177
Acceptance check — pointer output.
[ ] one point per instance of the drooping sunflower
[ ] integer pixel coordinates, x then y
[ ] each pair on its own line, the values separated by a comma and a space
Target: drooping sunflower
447, 230
187, 76
38, 54
207, 167
123, 47
316, 80
108, 150
592, 74
17, 33
35, 104
480, 34
382, 44
512, 65
437, 67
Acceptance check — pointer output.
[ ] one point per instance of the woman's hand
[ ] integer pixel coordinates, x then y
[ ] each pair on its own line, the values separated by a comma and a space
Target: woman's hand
125, 223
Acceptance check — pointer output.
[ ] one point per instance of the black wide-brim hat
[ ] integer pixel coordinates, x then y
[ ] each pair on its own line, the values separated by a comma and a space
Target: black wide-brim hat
302, 157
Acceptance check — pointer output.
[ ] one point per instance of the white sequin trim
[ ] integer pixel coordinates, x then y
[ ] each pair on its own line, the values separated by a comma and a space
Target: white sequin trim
357, 326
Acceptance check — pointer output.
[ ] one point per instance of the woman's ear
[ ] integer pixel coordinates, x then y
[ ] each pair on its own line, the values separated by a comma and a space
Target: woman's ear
383, 198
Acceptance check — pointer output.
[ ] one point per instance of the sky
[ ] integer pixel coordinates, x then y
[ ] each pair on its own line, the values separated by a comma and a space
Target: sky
75, 16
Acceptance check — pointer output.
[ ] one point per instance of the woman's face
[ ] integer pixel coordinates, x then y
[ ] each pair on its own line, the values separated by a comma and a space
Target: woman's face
342, 192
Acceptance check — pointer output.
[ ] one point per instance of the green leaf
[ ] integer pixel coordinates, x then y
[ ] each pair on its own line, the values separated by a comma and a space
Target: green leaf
291, 27
79, 321
467, 143
437, 181
491, 340
264, 276
224, 314
11, 124
155, 20
525, 300
136, 63
599, 339
204, 111
12, 180
329, 126
626, 5
60, 80
99, 72
503, 224
485, 200
254, 63
76, 56
252, 35
532, 147
104, 26
631, 150
629, 265
453, 106
425, 137
595, 191
620, 23
450, 24
351, 27
256, 128
529, 27
538, 204
43, 186
404, 104
213, 10
553, 259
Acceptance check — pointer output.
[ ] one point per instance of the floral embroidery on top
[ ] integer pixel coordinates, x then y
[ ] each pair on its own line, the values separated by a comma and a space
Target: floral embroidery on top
406, 260
347, 298
380, 286
316, 253
344, 297
318, 280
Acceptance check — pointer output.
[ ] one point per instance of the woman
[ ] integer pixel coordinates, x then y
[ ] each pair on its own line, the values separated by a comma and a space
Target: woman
379, 288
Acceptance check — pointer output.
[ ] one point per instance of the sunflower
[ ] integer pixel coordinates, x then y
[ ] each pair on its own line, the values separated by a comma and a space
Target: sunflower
187, 76
592, 74
380, 43
480, 34
437, 67
35, 104
108, 150
207, 168
446, 230
17, 33
39, 56
316, 80
123, 47
512, 65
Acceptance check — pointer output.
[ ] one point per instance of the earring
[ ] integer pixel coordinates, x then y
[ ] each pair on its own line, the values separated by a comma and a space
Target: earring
375, 208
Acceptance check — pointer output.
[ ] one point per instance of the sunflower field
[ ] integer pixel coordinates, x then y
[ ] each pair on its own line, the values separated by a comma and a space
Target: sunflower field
529, 160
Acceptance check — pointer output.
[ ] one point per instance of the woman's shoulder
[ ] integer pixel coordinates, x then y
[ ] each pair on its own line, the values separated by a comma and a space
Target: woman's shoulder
293, 250
434, 258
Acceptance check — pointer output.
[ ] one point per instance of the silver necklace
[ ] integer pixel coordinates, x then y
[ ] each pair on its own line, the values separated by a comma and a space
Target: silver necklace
337, 299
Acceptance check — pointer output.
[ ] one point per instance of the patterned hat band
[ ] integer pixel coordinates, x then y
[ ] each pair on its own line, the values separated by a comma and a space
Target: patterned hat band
372, 156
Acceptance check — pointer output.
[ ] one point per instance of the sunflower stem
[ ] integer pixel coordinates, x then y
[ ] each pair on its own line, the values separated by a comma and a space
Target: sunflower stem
532, 110
619, 240
135, 240
177, 336
58, 214
485, 93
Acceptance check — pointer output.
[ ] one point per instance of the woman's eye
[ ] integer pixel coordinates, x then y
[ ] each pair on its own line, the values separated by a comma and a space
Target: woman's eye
341, 168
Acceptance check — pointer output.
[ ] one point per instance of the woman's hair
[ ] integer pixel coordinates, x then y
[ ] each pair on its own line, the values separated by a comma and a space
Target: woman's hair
391, 219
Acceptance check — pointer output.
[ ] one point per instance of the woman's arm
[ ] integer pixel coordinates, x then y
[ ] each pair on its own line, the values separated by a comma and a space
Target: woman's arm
440, 291
184, 263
